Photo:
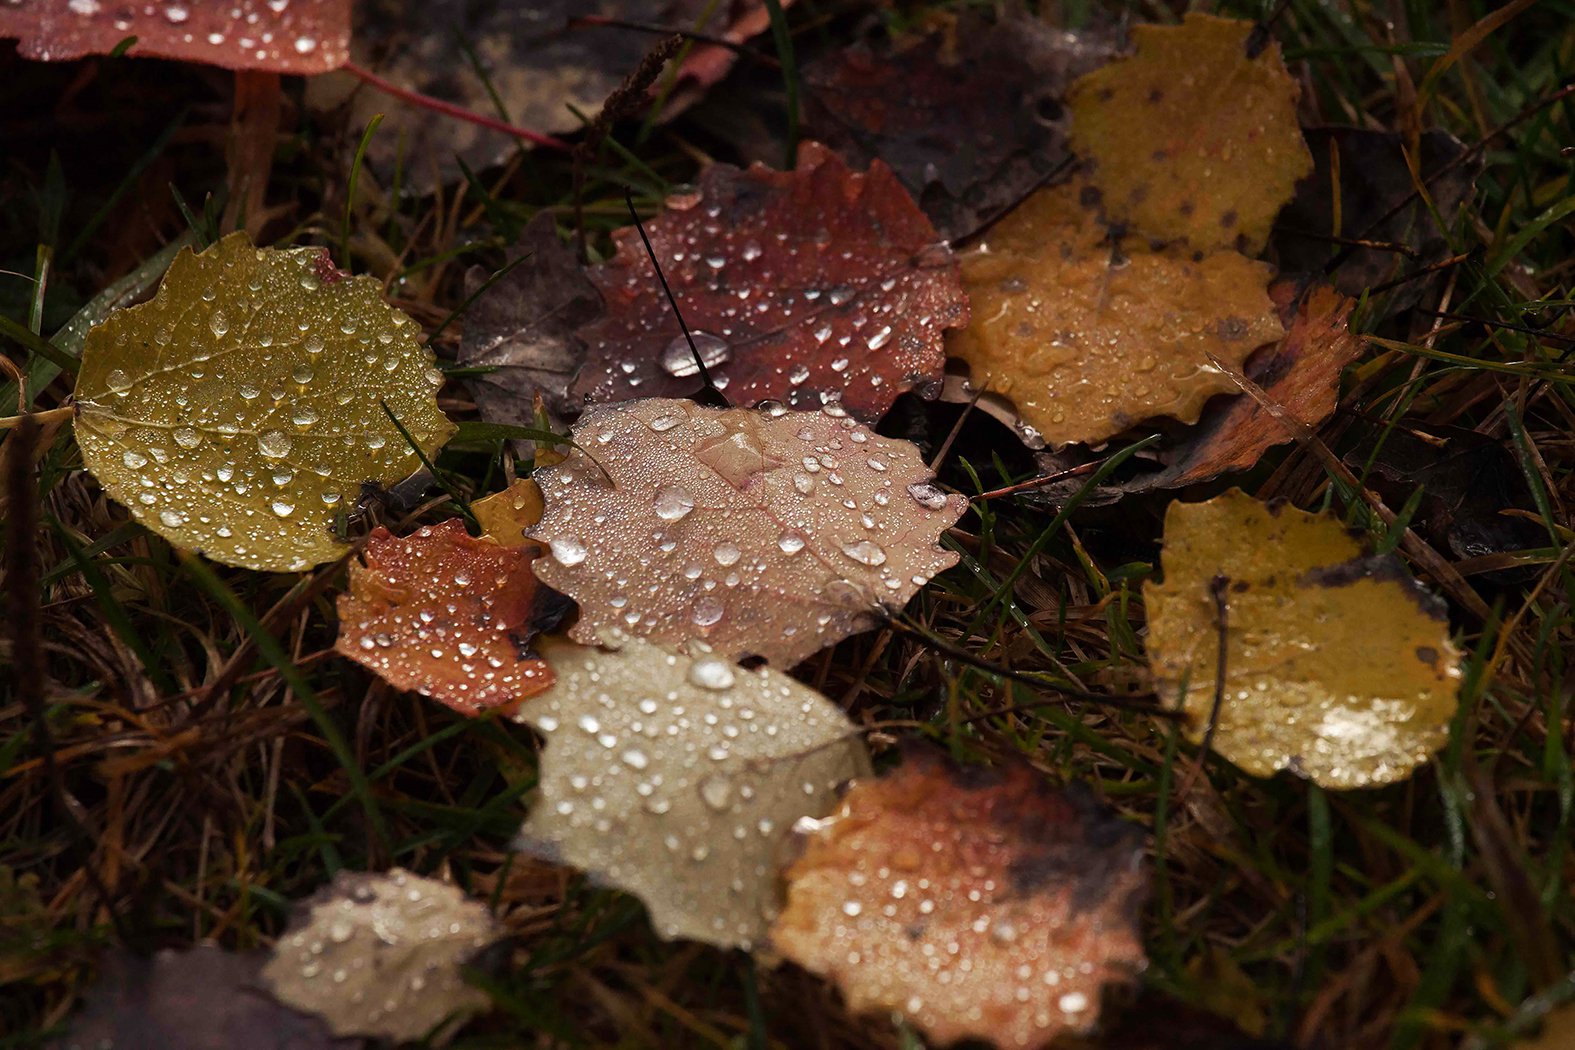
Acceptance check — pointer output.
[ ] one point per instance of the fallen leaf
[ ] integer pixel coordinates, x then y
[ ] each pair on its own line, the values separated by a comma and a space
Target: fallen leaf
1338, 667
541, 71
380, 955
977, 904
970, 119
308, 36
204, 998
1374, 179
504, 516
242, 409
522, 329
1468, 481
678, 778
812, 287
1088, 339
1300, 375
772, 534
442, 613
1195, 137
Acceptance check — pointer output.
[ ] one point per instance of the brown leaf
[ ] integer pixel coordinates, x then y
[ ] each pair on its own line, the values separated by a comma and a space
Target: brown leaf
970, 119
551, 76
381, 954
201, 999
1300, 374
976, 903
1193, 138
771, 534
1374, 180
307, 36
811, 287
444, 614
522, 328
1089, 339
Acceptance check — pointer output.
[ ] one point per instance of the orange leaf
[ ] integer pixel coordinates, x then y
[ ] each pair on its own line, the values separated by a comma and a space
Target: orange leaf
306, 36
442, 613
979, 904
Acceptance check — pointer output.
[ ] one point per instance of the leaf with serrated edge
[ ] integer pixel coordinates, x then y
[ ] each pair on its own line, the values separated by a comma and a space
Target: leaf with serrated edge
1087, 339
1195, 137
381, 955
976, 903
445, 614
242, 408
1338, 665
766, 533
678, 779
810, 287
504, 516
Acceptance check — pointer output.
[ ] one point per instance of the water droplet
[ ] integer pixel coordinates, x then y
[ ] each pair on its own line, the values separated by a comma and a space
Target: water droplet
673, 503
706, 611
679, 360
219, 323
927, 495
568, 550
865, 552
186, 437
134, 460
711, 673
118, 381
716, 792
282, 507
274, 444
790, 542
726, 553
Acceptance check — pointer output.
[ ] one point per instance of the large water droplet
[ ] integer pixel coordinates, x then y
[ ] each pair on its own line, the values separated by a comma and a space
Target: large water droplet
865, 552
673, 503
711, 673
716, 792
274, 444
679, 360
927, 495
706, 611
568, 550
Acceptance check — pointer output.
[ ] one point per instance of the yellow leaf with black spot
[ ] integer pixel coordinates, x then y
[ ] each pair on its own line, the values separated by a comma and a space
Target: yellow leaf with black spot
1337, 665
1195, 136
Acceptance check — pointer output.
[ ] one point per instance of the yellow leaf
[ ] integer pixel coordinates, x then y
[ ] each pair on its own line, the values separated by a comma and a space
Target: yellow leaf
504, 516
241, 410
1338, 666
1088, 339
1192, 138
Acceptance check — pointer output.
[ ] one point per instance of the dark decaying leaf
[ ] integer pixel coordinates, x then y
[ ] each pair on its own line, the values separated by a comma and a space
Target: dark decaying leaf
1374, 179
1468, 482
306, 36
976, 903
201, 999
1155, 1022
969, 118
522, 329
818, 286
549, 76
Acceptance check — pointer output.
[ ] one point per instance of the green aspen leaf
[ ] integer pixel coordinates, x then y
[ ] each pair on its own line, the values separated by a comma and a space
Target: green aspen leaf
242, 409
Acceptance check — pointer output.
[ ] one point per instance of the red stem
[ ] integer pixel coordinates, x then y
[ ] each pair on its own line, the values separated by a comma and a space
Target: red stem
416, 98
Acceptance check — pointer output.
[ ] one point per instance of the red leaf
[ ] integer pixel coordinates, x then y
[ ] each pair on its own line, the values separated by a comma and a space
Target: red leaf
808, 287
297, 36
445, 614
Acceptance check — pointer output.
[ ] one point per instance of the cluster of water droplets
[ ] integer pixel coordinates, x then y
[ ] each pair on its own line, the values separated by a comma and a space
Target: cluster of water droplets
769, 532
381, 955
811, 319
458, 627
289, 35
241, 409
964, 908
678, 778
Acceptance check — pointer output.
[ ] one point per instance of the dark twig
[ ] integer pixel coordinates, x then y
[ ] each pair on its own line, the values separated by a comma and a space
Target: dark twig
712, 393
